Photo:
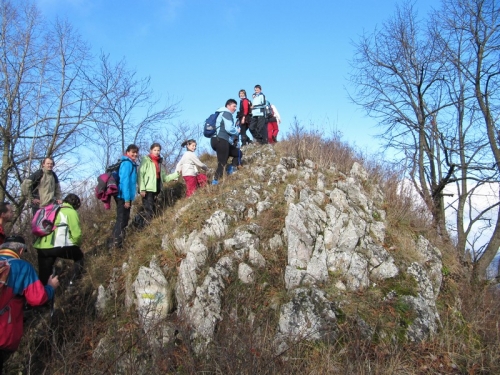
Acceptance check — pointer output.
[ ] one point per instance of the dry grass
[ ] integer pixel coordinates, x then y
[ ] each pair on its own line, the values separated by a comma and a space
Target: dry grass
468, 341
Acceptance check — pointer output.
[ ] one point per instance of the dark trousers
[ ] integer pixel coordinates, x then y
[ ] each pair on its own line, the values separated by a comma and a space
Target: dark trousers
245, 139
122, 218
258, 128
4, 355
224, 150
149, 202
47, 258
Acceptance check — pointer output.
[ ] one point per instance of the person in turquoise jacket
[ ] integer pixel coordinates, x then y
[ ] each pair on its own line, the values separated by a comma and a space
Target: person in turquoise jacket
151, 179
127, 188
63, 242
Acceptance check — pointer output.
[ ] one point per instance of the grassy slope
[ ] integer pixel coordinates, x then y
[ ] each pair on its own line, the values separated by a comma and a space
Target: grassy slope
468, 341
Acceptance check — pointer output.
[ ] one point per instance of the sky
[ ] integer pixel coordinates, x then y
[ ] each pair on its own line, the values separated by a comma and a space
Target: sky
201, 53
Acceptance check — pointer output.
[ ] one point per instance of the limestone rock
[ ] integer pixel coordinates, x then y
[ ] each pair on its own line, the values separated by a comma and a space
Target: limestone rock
308, 316
246, 273
153, 296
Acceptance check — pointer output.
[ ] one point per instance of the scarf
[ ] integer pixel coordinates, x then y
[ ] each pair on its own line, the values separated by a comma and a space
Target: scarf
156, 160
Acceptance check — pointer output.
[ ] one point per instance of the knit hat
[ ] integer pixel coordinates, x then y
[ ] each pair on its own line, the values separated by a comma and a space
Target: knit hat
16, 239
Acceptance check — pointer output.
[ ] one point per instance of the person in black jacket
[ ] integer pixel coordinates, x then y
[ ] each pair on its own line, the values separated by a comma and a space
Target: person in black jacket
244, 115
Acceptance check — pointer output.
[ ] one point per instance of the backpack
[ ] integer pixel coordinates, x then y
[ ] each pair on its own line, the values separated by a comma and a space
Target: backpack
107, 184
268, 110
35, 179
241, 112
44, 219
210, 127
113, 169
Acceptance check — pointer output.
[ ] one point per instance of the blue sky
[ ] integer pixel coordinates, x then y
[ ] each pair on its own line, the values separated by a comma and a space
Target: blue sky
202, 53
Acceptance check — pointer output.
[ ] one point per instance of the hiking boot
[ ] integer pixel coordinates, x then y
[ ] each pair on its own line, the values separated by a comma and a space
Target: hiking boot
215, 182
230, 169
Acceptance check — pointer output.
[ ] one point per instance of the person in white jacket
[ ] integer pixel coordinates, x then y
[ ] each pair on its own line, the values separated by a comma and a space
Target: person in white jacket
188, 167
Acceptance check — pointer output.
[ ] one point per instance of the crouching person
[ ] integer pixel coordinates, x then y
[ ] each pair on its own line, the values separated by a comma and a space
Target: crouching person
64, 242
22, 285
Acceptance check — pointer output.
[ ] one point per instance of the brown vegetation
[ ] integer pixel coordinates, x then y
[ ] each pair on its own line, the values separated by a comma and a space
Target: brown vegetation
468, 341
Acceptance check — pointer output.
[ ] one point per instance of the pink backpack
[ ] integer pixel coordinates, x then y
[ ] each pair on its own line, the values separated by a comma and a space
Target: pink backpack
44, 219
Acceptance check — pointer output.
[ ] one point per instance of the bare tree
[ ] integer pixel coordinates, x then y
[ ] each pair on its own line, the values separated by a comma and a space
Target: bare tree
398, 73
128, 112
469, 31
433, 88
47, 97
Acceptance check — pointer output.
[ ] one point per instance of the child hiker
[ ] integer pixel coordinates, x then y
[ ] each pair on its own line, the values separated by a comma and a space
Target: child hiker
151, 178
187, 166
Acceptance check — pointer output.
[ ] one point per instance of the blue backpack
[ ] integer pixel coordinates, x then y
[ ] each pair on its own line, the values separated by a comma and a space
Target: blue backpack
210, 127
268, 110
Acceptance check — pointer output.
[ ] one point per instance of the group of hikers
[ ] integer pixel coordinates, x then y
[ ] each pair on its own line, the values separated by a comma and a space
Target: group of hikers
19, 281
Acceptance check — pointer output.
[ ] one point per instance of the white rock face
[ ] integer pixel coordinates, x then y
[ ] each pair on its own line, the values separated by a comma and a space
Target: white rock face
333, 237
432, 262
102, 299
217, 225
427, 321
153, 296
206, 309
246, 273
308, 316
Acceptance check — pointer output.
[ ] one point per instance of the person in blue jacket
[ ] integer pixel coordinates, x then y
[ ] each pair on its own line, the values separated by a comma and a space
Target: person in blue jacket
127, 188
223, 143
22, 285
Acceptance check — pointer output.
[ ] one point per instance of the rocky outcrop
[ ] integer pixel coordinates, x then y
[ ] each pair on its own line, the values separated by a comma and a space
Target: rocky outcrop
333, 234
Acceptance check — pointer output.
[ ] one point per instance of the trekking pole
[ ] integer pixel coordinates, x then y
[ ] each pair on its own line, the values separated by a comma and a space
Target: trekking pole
238, 142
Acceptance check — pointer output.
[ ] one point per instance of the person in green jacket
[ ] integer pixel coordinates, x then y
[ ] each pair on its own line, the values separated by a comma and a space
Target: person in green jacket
63, 242
151, 179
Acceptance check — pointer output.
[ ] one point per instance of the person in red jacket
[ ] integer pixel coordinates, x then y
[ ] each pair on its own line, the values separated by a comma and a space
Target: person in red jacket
244, 115
22, 285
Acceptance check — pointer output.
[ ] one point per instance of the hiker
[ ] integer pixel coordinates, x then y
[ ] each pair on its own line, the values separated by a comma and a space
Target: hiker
22, 285
151, 179
244, 116
258, 126
187, 166
63, 242
126, 193
42, 187
223, 142
5, 216
273, 121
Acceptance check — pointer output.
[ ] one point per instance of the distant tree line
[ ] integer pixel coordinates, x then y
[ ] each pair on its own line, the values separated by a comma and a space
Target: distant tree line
433, 84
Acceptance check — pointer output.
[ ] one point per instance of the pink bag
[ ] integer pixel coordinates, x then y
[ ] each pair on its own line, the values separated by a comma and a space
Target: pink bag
44, 219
